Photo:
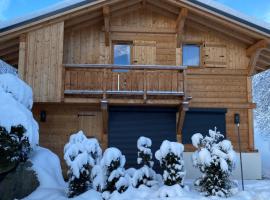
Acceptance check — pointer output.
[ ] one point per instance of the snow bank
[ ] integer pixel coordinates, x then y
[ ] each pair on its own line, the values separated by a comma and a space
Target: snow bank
19, 90
15, 104
48, 168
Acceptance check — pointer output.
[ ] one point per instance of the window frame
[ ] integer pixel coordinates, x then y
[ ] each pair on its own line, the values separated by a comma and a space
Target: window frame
122, 42
200, 45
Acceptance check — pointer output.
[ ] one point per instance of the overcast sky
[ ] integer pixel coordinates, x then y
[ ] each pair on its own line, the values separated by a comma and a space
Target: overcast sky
10, 9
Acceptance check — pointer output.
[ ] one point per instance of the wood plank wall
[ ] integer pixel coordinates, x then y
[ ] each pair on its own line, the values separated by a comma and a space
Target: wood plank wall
43, 67
211, 85
223, 86
65, 119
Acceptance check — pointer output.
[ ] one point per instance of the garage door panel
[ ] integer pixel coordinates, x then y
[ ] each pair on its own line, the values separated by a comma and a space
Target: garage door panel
127, 124
200, 120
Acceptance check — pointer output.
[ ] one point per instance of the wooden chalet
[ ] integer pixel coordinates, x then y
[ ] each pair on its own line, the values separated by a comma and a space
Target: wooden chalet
118, 69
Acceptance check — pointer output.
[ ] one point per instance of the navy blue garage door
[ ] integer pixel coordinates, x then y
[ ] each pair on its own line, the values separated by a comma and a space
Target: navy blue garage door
200, 120
127, 124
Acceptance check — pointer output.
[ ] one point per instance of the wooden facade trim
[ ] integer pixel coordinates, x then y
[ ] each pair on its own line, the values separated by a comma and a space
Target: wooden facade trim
130, 67
106, 16
180, 23
22, 56
262, 44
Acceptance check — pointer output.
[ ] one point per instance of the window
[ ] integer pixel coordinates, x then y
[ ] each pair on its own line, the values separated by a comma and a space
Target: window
191, 55
121, 54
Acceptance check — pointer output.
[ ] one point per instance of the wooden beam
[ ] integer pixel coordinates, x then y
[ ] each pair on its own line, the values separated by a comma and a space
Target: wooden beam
22, 57
136, 30
265, 57
106, 15
262, 44
181, 117
9, 43
105, 116
9, 50
130, 67
180, 23
253, 62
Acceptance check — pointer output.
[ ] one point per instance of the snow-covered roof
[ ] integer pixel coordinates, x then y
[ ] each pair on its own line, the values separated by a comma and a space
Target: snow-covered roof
66, 5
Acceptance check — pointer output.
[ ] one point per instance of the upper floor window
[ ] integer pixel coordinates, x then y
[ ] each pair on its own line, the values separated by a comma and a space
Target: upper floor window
191, 55
121, 54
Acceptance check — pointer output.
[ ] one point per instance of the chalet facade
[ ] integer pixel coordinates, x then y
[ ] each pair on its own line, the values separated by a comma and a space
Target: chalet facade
120, 69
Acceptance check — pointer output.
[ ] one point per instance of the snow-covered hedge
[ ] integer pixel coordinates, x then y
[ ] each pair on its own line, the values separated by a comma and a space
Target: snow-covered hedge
170, 157
15, 107
145, 175
215, 158
81, 155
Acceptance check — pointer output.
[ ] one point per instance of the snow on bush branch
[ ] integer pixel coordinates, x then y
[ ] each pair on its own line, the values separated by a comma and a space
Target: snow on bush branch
215, 158
170, 157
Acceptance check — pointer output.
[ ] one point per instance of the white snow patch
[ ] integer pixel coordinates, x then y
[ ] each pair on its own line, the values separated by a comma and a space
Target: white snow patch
48, 168
15, 104
196, 139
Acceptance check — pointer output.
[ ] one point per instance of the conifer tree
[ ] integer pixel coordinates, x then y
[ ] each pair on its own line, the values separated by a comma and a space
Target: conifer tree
170, 157
112, 164
215, 158
81, 155
145, 175
14, 146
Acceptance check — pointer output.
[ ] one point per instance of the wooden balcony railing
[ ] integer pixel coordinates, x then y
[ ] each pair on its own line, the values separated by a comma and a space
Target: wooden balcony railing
124, 80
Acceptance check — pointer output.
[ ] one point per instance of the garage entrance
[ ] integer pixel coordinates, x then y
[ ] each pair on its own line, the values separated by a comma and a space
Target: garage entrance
127, 124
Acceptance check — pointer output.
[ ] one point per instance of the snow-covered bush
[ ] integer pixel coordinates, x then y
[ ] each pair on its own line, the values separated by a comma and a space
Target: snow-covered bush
144, 151
81, 155
14, 147
215, 158
110, 175
170, 157
15, 107
145, 175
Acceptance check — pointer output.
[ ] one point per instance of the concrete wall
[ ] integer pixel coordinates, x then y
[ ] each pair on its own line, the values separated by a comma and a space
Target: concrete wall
252, 166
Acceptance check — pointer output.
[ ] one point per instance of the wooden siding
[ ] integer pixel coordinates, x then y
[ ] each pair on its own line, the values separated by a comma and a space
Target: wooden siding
65, 119
43, 67
220, 81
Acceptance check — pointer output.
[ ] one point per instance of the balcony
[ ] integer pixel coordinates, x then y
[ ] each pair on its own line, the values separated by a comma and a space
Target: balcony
125, 83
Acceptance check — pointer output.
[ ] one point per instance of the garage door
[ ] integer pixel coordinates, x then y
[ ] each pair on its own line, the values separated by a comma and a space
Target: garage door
200, 120
127, 124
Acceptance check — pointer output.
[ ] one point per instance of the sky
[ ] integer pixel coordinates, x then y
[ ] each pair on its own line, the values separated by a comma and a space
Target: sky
10, 9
